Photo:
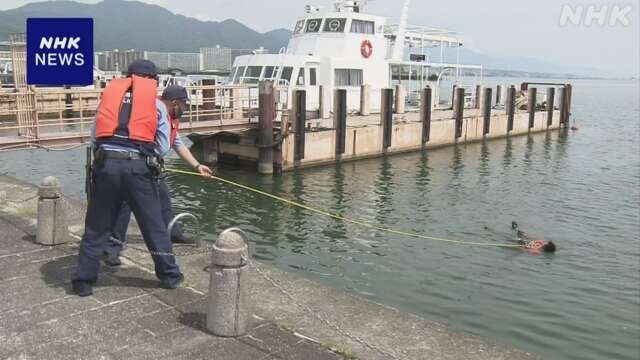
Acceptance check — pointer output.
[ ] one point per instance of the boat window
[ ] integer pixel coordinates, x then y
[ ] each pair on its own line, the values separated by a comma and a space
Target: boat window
299, 27
253, 75
239, 75
334, 25
286, 73
313, 25
300, 80
234, 72
348, 77
269, 72
313, 77
362, 27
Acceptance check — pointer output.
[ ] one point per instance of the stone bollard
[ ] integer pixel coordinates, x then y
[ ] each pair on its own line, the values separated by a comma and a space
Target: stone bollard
52, 227
229, 309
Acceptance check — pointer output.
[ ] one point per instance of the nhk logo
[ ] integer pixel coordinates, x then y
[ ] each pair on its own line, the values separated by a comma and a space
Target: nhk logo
590, 15
59, 51
62, 59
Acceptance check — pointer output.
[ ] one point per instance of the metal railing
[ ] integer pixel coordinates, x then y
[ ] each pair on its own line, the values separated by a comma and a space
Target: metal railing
33, 114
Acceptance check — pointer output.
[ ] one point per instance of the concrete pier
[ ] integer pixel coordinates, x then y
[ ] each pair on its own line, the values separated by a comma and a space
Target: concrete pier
397, 130
130, 317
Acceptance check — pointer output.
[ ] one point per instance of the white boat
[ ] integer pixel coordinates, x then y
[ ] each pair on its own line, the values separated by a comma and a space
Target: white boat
344, 47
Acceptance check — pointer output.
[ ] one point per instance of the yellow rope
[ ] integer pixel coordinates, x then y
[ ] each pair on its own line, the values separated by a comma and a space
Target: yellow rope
338, 217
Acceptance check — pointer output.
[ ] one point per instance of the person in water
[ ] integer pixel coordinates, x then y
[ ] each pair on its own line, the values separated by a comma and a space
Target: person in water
527, 243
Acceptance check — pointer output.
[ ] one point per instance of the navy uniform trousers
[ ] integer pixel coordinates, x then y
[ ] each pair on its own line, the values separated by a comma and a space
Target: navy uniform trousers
130, 181
122, 224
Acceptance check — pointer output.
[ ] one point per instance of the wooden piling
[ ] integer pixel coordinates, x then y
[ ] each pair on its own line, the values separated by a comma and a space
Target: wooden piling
486, 110
425, 113
340, 119
569, 98
68, 103
511, 107
299, 119
400, 99
551, 98
499, 94
266, 107
459, 111
208, 99
210, 150
478, 98
365, 100
386, 117
563, 107
453, 97
531, 105
323, 93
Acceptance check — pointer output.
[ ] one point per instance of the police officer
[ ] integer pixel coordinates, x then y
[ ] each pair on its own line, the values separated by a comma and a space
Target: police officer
174, 98
130, 125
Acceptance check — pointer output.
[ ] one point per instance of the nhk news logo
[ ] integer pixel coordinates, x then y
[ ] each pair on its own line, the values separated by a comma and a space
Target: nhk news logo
59, 51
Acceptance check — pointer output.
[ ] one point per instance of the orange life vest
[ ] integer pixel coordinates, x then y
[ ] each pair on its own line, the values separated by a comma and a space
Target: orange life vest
143, 121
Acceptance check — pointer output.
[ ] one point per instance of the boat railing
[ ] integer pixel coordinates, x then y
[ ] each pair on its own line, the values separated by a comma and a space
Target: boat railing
425, 37
254, 80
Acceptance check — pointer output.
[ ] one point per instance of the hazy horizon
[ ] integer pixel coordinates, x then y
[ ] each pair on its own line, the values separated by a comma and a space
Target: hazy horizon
526, 28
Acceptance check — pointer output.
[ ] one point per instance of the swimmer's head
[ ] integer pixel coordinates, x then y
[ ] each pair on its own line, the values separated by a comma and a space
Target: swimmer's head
514, 225
549, 247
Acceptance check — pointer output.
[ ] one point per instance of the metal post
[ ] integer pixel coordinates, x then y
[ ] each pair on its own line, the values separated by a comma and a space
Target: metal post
511, 107
229, 308
299, 121
458, 111
266, 105
551, 98
425, 113
532, 98
486, 103
340, 119
386, 117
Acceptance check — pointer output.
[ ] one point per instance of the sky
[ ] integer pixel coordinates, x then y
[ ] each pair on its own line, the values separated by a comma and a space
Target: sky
518, 28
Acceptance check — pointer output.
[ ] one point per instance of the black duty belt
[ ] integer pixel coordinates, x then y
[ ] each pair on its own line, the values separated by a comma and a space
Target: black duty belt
130, 155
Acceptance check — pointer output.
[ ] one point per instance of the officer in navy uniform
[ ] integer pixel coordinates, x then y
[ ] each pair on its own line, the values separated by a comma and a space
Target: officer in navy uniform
174, 98
130, 128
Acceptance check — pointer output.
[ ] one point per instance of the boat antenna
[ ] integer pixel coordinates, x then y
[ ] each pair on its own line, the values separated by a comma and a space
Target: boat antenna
398, 49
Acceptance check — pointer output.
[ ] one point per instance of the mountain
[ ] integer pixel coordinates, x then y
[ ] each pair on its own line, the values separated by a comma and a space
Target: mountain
516, 64
120, 24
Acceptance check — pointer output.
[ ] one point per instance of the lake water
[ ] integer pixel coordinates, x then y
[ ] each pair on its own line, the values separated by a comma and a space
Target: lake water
579, 189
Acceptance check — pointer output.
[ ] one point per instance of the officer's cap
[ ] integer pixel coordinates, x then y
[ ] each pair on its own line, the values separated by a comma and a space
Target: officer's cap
142, 67
175, 92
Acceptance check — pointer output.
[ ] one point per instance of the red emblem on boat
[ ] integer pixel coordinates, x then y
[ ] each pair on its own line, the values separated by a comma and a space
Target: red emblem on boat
366, 49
